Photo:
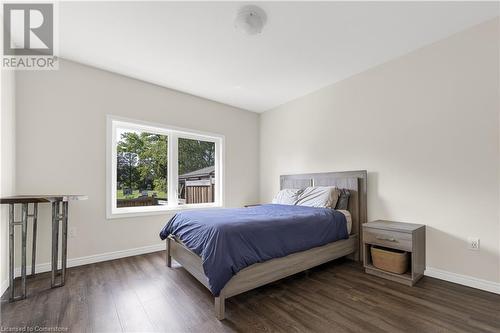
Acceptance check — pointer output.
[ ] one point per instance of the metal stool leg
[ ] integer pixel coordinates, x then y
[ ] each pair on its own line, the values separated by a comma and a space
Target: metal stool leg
11, 252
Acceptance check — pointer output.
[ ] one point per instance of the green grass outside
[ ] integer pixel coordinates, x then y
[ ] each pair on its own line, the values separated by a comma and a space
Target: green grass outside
135, 194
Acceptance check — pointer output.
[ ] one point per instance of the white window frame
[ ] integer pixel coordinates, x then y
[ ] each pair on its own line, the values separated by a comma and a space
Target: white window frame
173, 133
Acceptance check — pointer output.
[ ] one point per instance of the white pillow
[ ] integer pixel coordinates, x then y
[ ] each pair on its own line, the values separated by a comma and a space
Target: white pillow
319, 196
287, 196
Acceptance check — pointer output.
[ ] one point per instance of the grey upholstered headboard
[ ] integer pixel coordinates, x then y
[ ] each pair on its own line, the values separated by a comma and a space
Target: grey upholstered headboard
354, 181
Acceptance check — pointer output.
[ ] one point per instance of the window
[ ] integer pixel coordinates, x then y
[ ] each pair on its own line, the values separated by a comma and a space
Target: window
196, 167
152, 168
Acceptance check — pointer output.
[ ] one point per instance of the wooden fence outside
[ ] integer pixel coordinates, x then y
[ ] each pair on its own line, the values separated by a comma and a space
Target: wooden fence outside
199, 194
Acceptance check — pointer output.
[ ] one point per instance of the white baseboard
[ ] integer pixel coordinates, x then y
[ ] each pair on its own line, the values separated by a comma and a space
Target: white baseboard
469, 281
45, 267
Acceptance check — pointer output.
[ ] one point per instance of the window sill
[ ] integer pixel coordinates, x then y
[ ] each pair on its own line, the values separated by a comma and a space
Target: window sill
162, 211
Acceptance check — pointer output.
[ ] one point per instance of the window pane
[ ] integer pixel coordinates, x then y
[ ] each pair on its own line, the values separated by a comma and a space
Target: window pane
196, 171
141, 169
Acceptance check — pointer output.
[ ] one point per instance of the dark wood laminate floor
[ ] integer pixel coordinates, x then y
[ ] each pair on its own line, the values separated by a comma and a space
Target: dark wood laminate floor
140, 294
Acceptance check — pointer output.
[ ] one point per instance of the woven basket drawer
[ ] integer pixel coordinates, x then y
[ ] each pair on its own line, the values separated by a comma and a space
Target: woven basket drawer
393, 261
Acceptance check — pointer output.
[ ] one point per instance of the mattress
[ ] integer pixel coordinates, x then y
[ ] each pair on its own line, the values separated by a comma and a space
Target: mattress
228, 240
348, 218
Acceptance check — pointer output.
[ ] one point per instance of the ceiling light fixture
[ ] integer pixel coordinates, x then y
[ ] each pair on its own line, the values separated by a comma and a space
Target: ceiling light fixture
250, 19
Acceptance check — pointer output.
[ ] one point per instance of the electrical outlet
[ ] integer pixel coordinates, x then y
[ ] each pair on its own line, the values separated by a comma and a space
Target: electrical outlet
72, 232
473, 243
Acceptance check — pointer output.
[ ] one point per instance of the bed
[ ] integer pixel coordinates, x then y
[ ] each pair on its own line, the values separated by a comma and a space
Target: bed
330, 244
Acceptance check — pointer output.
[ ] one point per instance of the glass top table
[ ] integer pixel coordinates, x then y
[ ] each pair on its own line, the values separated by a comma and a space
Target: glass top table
59, 204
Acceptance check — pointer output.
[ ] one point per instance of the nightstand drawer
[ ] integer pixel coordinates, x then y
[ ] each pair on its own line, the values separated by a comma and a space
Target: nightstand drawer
391, 239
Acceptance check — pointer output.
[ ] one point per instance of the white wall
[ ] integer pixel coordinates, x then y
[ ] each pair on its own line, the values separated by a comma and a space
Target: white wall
426, 127
7, 165
61, 143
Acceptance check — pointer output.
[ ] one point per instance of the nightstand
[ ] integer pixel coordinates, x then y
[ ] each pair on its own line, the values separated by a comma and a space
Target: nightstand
400, 236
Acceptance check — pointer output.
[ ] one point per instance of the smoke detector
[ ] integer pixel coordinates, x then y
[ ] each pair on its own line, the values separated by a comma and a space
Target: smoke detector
250, 20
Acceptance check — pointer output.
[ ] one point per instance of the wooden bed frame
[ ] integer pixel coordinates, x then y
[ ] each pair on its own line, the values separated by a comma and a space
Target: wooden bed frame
263, 273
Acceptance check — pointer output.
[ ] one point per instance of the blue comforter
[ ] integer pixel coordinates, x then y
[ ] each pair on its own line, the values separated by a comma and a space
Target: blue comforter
229, 240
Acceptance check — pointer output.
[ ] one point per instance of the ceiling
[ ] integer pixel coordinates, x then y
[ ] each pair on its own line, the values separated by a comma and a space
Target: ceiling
194, 47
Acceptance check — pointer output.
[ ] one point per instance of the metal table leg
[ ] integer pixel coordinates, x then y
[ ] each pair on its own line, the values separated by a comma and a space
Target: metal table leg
56, 218
59, 214
55, 240
24, 229
64, 240
11, 252
33, 248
